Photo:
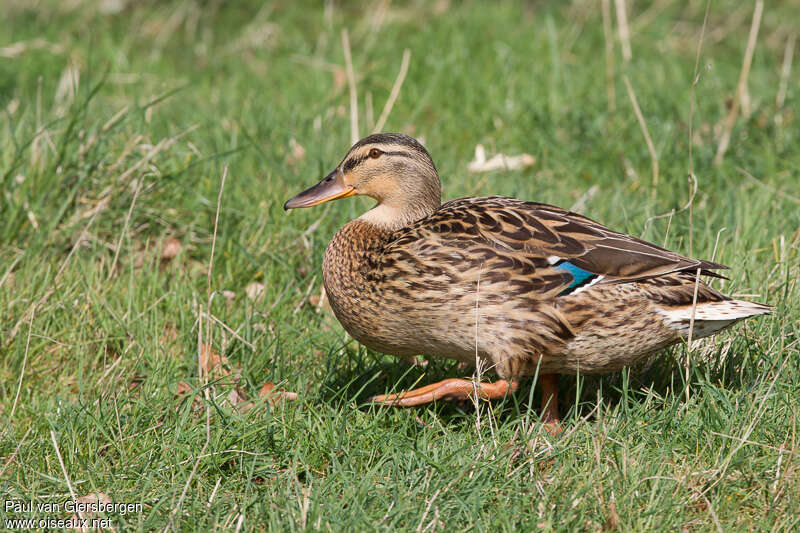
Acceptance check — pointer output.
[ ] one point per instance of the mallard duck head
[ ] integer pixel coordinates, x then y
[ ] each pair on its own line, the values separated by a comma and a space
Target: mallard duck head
394, 169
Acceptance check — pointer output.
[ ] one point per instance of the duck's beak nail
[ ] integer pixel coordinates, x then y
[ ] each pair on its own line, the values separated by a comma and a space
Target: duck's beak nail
332, 187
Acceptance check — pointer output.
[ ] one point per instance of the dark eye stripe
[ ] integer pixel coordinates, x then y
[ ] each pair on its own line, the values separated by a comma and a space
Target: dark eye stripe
350, 164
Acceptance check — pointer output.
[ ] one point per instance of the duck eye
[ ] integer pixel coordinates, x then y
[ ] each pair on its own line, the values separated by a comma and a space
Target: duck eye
375, 153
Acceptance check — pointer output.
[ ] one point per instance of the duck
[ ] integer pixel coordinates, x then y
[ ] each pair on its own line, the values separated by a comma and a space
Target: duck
522, 289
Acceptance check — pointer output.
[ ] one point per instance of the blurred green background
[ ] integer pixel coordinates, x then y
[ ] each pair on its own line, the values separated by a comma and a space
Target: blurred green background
118, 120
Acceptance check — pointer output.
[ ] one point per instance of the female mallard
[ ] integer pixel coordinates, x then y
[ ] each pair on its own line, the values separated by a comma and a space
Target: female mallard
527, 288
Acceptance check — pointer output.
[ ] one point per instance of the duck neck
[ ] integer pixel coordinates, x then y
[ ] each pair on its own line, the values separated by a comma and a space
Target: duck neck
389, 217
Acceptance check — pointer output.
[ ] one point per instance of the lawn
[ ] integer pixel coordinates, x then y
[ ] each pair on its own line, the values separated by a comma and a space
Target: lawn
151, 283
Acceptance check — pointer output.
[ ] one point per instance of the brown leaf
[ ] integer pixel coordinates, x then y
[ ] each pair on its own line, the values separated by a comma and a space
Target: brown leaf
273, 395
183, 388
169, 340
612, 520
413, 360
320, 302
254, 290
135, 381
169, 334
498, 161
339, 79
213, 363
10, 282
230, 296
81, 521
296, 152
170, 249
238, 400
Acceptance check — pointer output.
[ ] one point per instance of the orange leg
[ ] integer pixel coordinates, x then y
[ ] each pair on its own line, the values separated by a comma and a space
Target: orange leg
449, 389
549, 384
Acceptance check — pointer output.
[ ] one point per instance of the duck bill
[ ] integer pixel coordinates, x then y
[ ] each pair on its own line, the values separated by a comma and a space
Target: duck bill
332, 187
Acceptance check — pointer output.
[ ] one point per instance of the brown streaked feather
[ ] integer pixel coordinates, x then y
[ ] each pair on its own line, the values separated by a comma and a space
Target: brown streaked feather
536, 231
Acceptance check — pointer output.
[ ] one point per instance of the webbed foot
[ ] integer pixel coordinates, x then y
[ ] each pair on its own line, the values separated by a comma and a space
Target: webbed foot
448, 389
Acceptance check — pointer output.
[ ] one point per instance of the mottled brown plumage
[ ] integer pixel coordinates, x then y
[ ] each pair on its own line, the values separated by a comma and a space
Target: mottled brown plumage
523, 287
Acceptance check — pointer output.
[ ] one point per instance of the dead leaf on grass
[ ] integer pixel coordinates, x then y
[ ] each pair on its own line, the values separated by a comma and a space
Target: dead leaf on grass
135, 381
612, 520
183, 388
254, 290
169, 340
339, 79
296, 152
81, 521
10, 282
170, 249
498, 161
274, 395
229, 296
321, 301
238, 400
213, 363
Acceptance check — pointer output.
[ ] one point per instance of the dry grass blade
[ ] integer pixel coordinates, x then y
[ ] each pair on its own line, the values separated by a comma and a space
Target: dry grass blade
695, 80
163, 144
786, 69
228, 328
650, 147
609, 40
304, 299
9, 274
691, 332
125, 228
775, 191
64, 470
398, 84
624, 30
216, 225
351, 83
32, 307
13, 456
21, 374
727, 126
16, 49
206, 356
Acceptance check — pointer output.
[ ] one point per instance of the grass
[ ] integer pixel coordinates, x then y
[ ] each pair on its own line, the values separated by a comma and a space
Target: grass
118, 122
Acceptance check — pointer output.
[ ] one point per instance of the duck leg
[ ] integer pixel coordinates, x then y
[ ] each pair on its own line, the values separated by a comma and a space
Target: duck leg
549, 384
448, 389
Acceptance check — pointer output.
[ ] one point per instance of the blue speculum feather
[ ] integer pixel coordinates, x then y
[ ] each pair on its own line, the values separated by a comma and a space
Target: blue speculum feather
580, 277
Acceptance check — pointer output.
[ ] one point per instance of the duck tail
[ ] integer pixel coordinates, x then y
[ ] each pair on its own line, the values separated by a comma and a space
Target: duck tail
711, 317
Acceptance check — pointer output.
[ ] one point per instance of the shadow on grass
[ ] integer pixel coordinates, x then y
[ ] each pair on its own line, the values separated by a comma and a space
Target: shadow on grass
355, 374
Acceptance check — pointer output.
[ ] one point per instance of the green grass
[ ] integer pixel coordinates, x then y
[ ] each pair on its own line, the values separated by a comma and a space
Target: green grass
99, 168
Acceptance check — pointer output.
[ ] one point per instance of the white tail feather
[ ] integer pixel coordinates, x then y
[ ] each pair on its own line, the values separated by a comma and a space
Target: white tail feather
711, 317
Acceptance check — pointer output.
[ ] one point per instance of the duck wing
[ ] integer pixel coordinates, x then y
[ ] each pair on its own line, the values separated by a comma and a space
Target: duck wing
562, 249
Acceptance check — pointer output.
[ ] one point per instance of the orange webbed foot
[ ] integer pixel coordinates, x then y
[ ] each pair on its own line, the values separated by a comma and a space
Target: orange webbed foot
448, 389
